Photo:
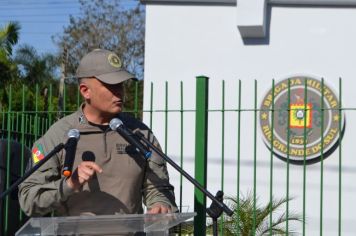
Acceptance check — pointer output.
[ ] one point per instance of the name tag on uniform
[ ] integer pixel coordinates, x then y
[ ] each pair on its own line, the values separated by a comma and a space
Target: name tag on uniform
123, 148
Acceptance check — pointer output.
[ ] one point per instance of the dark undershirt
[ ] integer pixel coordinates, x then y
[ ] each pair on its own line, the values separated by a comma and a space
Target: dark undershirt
102, 127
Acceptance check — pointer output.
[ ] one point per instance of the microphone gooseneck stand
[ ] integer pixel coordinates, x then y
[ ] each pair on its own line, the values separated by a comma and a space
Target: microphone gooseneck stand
33, 169
217, 206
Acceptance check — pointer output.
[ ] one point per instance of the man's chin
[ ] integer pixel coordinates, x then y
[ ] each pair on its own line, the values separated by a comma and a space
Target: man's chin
116, 110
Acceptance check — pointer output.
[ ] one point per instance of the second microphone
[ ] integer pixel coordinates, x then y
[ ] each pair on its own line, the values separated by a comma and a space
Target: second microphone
117, 124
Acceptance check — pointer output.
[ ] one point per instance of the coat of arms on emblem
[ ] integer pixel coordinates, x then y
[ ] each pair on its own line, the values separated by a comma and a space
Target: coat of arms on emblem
306, 118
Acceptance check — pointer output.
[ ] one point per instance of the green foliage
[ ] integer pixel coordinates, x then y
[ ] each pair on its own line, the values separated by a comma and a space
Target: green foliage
101, 24
36, 69
242, 220
8, 38
18, 91
107, 25
133, 97
8, 69
32, 72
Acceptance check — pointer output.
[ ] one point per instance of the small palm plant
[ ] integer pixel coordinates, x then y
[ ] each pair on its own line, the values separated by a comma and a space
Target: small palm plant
243, 219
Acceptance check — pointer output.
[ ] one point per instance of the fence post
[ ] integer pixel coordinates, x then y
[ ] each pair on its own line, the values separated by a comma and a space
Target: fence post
7, 170
201, 137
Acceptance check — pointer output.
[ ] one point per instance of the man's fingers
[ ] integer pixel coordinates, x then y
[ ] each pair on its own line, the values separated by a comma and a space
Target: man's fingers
154, 210
87, 171
159, 208
92, 165
83, 173
164, 210
83, 177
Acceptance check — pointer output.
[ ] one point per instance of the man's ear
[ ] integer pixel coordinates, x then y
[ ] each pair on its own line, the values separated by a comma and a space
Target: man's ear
84, 90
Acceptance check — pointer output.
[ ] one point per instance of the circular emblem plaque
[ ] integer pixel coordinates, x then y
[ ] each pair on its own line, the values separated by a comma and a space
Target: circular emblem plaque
313, 133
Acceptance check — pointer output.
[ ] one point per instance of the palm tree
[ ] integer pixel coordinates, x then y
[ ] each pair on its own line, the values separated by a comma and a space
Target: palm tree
9, 35
36, 69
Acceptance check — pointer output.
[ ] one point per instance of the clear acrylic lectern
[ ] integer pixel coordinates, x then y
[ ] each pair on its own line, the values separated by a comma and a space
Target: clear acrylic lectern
151, 224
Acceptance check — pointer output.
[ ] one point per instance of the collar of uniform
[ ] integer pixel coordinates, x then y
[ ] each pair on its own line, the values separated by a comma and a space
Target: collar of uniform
81, 117
83, 124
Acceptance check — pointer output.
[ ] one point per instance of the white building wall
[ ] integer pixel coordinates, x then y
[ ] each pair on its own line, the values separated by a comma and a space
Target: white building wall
184, 41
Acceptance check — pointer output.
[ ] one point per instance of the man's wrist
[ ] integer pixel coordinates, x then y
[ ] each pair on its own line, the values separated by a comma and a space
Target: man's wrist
70, 184
66, 190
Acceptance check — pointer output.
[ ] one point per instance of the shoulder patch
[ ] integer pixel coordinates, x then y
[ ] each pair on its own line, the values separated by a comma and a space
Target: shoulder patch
37, 153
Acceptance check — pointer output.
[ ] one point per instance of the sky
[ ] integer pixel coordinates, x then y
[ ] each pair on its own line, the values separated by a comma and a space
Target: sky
41, 19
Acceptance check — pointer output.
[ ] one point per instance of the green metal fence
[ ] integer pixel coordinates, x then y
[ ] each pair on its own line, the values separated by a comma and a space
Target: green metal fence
23, 127
306, 165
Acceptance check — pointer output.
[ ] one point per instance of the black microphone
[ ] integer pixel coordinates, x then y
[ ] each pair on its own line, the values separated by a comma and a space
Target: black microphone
129, 136
70, 147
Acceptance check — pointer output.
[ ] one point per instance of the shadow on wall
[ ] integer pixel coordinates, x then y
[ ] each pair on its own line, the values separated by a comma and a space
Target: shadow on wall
13, 216
266, 39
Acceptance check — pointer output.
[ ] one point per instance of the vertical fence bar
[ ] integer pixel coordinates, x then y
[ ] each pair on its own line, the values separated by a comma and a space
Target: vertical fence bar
64, 99
78, 97
25, 130
2, 205
181, 147
222, 135
288, 149
8, 151
46, 125
254, 161
22, 167
222, 149
201, 137
166, 119
50, 113
340, 152
30, 125
17, 126
13, 118
238, 157
36, 114
43, 126
181, 152
151, 105
136, 100
271, 164
3, 123
322, 156
305, 148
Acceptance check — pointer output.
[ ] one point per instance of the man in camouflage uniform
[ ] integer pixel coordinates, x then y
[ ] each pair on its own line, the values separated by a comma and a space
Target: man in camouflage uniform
109, 176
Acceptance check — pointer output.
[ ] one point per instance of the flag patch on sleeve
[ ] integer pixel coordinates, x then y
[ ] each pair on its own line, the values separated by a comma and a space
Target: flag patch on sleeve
37, 153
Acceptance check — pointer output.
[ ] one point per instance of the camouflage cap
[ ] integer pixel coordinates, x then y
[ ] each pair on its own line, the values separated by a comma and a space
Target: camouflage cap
105, 65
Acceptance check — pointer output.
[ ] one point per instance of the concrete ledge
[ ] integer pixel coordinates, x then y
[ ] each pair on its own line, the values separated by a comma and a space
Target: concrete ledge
251, 14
